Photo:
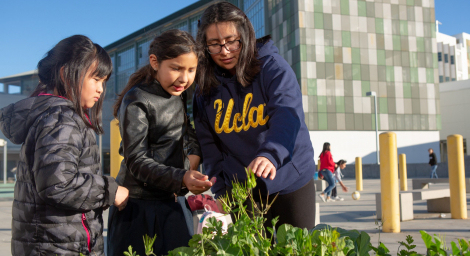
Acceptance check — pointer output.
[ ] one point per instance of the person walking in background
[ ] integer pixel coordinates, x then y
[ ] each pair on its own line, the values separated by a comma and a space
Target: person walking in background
432, 162
327, 168
340, 165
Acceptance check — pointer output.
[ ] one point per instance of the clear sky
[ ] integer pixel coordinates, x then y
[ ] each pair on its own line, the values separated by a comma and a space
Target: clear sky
29, 28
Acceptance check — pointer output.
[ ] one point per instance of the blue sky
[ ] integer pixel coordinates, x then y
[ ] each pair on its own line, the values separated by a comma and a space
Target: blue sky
29, 28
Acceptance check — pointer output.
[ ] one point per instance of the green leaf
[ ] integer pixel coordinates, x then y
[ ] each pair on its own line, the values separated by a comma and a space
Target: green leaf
426, 238
363, 244
186, 251
455, 249
463, 244
282, 234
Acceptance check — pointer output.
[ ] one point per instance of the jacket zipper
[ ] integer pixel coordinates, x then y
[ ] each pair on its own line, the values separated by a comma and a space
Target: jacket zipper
86, 229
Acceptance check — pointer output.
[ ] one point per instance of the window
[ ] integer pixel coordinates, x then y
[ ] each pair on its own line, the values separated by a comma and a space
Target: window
447, 79
439, 56
452, 60
446, 58
453, 79
254, 10
2, 88
193, 25
142, 52
441, 79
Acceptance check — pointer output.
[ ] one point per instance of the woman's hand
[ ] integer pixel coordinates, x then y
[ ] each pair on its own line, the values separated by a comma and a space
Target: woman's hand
261, 166
197, 182
122, 195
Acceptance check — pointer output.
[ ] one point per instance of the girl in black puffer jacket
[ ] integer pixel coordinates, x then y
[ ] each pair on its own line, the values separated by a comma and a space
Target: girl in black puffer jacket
60, 191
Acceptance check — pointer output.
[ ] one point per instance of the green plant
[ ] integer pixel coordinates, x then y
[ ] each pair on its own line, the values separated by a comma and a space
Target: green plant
130, 252
409, 247
436, 247
148, 245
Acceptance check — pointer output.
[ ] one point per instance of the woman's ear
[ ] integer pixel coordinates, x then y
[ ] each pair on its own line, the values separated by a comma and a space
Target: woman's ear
153, 61
62, 75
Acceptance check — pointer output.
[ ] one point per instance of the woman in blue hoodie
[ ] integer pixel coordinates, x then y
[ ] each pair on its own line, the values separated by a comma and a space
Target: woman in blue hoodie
248, 113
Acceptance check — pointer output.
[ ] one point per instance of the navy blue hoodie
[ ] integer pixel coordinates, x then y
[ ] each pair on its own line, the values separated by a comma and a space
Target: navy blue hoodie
236, 124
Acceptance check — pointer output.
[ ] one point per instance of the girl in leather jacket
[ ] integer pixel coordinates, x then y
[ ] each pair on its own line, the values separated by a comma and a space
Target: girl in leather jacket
160, 150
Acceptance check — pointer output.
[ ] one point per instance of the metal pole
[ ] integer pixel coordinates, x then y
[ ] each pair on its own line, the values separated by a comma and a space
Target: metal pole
376, 131
5, 162
389, 183
456, 165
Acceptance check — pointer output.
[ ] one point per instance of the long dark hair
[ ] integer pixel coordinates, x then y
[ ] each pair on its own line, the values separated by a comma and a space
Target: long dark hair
326, 147
76, 55
169, 45
248, 65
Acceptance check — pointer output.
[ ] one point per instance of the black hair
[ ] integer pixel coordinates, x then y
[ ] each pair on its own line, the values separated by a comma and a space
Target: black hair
63, 70
169, 45
326, 147
247, 67
340, 162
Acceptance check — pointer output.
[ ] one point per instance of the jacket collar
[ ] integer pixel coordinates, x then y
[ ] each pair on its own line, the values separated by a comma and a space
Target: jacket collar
155, 88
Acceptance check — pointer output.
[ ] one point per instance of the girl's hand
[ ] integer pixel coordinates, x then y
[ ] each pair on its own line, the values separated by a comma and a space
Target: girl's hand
345, 189
197, 182
261, 166
122, 195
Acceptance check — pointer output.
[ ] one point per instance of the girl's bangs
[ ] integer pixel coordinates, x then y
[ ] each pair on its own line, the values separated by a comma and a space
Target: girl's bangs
103, 63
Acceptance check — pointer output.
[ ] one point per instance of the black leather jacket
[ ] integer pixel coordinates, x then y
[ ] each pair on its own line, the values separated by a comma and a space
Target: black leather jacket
156, 138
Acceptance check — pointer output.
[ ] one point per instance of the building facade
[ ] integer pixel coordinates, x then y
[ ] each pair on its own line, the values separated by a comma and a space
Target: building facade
339, 50
453, 56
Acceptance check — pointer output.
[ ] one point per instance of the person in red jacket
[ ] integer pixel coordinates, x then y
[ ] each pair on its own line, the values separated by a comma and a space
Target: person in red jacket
327, 169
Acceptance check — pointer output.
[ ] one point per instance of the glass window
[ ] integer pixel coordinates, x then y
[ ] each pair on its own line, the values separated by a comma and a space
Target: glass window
441, 79
193, 25
439, 56
142, 52
446, 58
2, 88
110, 84
452, 59
254, 10
447, 79
125, 66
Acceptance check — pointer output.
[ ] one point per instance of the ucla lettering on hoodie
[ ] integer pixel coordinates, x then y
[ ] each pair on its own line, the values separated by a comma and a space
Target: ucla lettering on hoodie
250, 117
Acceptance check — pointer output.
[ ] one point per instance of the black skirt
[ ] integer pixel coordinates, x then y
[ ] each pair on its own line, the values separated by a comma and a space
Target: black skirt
165, 218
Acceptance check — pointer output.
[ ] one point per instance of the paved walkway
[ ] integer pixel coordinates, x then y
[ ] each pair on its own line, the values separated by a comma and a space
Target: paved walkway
348, 214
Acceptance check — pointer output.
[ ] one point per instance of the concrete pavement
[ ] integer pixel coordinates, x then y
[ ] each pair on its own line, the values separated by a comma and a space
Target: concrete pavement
347, 214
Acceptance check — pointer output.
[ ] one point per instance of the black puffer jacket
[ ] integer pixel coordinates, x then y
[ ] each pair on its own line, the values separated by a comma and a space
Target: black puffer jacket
156, 138
60, 191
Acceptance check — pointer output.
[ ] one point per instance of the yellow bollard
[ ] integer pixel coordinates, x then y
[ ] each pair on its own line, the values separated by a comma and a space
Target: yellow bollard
403, 174
359, 186
458, 197
389, 183
115, 142
318, 165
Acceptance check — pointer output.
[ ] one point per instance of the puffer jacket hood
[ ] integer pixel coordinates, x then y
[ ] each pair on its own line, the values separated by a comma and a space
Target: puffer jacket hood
17, 118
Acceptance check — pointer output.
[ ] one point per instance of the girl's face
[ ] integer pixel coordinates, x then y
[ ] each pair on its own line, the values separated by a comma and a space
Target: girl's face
224, 33
92, 89
342, 166
175, 75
